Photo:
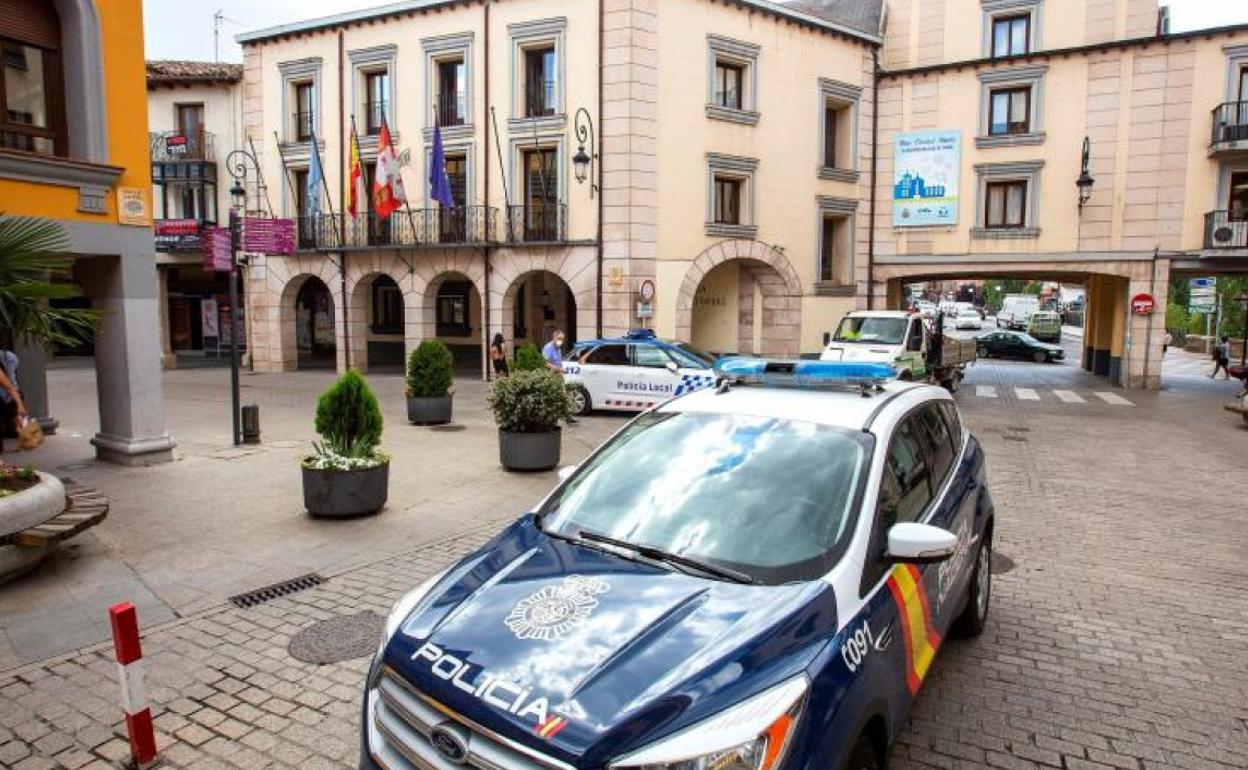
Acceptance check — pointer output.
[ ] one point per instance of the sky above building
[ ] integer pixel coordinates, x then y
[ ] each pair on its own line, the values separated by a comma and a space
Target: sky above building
176, 29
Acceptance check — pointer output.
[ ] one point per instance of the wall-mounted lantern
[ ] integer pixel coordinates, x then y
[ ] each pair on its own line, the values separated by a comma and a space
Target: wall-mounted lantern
1085, 180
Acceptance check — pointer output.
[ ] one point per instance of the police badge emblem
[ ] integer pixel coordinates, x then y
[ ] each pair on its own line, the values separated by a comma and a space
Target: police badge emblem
552, 612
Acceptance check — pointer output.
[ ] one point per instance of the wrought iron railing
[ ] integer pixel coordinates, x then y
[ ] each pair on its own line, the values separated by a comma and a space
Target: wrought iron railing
451, 109
1223, 231
302, 126
539, 99
1230, 122
179, 145
405, 228
537, 222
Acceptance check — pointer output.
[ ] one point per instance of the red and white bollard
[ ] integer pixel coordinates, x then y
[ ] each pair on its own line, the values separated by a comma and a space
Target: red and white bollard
125, 623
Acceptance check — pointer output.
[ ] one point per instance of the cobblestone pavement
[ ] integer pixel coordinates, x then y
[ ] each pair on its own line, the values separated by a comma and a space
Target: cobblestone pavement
1118, 640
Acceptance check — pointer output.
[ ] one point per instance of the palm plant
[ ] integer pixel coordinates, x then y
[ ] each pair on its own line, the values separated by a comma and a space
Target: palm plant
33, 266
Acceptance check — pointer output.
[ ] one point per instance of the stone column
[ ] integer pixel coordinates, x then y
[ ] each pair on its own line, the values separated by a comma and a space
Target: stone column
167, 359
1118, 338
32, 379
127, 367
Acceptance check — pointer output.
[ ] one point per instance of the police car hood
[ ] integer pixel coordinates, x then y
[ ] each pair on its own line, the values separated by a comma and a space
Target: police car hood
583, 655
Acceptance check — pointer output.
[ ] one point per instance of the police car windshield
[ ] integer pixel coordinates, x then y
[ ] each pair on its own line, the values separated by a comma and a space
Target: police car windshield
772, 499
886, 331
701, 355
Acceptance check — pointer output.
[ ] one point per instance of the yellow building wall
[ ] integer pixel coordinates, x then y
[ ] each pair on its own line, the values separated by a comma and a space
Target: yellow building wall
125, 91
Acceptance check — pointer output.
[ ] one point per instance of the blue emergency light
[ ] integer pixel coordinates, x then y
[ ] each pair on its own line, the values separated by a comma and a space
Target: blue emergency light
640, 334
809, 374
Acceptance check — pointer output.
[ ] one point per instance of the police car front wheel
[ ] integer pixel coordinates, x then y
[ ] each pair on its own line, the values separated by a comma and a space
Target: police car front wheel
863, 756
975, 616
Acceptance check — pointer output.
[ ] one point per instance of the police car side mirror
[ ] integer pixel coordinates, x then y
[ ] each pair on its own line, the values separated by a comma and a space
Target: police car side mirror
914, 543
672, 367
566, 472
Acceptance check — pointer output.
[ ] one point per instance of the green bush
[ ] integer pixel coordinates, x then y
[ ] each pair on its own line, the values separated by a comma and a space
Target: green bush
530, 402
429, 370
349, 418
529, 359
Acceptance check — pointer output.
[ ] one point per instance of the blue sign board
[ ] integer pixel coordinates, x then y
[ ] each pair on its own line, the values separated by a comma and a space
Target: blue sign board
1204, 283
926, 165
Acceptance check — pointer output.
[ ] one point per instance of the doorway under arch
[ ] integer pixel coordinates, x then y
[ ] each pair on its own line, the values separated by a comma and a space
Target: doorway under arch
536, 304
315, 341
378, 315
453, 315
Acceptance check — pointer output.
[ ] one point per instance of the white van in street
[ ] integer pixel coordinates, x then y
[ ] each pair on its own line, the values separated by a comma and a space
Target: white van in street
1016, 311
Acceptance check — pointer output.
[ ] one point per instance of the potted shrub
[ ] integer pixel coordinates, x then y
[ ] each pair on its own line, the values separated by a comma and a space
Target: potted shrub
429, 377
528, 407
346, 475
528, 359
28, 498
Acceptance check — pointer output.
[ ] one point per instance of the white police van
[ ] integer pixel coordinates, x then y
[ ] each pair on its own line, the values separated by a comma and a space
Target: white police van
634, 372
756, 576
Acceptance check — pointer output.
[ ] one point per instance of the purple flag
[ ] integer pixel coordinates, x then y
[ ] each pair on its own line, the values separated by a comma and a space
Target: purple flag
439, 183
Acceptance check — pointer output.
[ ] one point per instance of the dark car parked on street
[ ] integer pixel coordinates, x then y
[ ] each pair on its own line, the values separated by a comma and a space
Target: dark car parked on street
1010, 344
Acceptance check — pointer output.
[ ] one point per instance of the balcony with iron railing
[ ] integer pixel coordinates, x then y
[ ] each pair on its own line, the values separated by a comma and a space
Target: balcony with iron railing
1230, 129
302, 126
1226, 231
450, 109
537, 223
173, 146
540, 98
405, 228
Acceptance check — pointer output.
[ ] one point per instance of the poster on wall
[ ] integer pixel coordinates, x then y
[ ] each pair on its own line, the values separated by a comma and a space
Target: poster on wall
925, 178
210, 317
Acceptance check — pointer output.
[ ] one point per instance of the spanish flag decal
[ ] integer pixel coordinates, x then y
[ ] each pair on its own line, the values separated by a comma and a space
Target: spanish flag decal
906, 585
550, 727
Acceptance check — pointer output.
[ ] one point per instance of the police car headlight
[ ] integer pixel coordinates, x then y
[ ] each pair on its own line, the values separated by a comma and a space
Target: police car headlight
753, 735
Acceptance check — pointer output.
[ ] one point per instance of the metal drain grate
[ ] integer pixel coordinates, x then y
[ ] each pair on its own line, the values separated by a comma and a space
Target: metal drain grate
449, 428
276, 591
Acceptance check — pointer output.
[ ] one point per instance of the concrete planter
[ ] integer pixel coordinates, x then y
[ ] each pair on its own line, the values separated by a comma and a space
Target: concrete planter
337, 494
529, 451
32, 506
429, 411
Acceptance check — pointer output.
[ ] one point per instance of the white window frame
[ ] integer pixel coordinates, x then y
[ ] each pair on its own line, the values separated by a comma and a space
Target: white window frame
295, 73
846, 98
534, 34
846, 209
744, 55
996, 9
437, 50
1027, 171
1014, 77
731, 167
365, 61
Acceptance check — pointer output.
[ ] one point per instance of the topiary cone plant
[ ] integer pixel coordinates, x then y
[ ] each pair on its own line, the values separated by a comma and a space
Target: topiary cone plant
528, 408
430, 373
346, 475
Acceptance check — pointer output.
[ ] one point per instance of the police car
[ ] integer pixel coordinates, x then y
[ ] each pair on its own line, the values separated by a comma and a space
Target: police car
634, 372
755, 576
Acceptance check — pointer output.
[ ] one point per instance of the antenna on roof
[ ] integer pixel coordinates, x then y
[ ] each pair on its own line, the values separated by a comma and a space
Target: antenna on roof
218, 20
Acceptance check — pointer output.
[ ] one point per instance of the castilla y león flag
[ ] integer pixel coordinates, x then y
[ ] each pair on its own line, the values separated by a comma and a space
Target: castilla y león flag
388, 193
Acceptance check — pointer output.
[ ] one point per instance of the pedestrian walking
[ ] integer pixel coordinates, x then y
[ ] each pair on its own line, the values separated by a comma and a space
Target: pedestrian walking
553, 353
1165, 342
12, 408
498, 355
1222, 358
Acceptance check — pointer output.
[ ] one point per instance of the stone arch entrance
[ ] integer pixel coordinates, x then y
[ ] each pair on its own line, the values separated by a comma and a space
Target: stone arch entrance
308, 323
569, 276
452, 313
746, 286
537, 303
377, 322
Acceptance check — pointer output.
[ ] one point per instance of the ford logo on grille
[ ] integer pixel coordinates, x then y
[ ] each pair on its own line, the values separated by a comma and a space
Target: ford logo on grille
449, 743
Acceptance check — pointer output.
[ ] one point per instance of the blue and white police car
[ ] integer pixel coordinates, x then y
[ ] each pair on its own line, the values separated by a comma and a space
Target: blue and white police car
755, 576
634, 372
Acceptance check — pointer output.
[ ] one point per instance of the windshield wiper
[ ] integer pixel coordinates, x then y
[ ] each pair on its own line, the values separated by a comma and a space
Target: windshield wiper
658, 554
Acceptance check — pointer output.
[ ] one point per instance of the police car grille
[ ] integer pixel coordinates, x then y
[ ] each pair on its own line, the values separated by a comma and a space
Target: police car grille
404, 720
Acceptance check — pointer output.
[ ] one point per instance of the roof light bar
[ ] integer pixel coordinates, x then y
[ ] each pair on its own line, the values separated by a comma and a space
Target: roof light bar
804, 374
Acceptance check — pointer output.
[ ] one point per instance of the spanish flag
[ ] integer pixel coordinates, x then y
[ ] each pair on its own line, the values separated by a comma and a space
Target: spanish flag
356, 195
906, 585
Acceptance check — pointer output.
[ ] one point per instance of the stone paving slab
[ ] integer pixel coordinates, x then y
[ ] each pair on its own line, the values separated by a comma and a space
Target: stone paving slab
1117, 641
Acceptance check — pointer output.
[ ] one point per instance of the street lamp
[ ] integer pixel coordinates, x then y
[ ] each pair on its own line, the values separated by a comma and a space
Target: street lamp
1085, 180
582, 162
236, 163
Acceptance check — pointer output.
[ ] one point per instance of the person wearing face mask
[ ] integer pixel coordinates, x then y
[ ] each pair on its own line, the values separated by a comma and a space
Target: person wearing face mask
553, 353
